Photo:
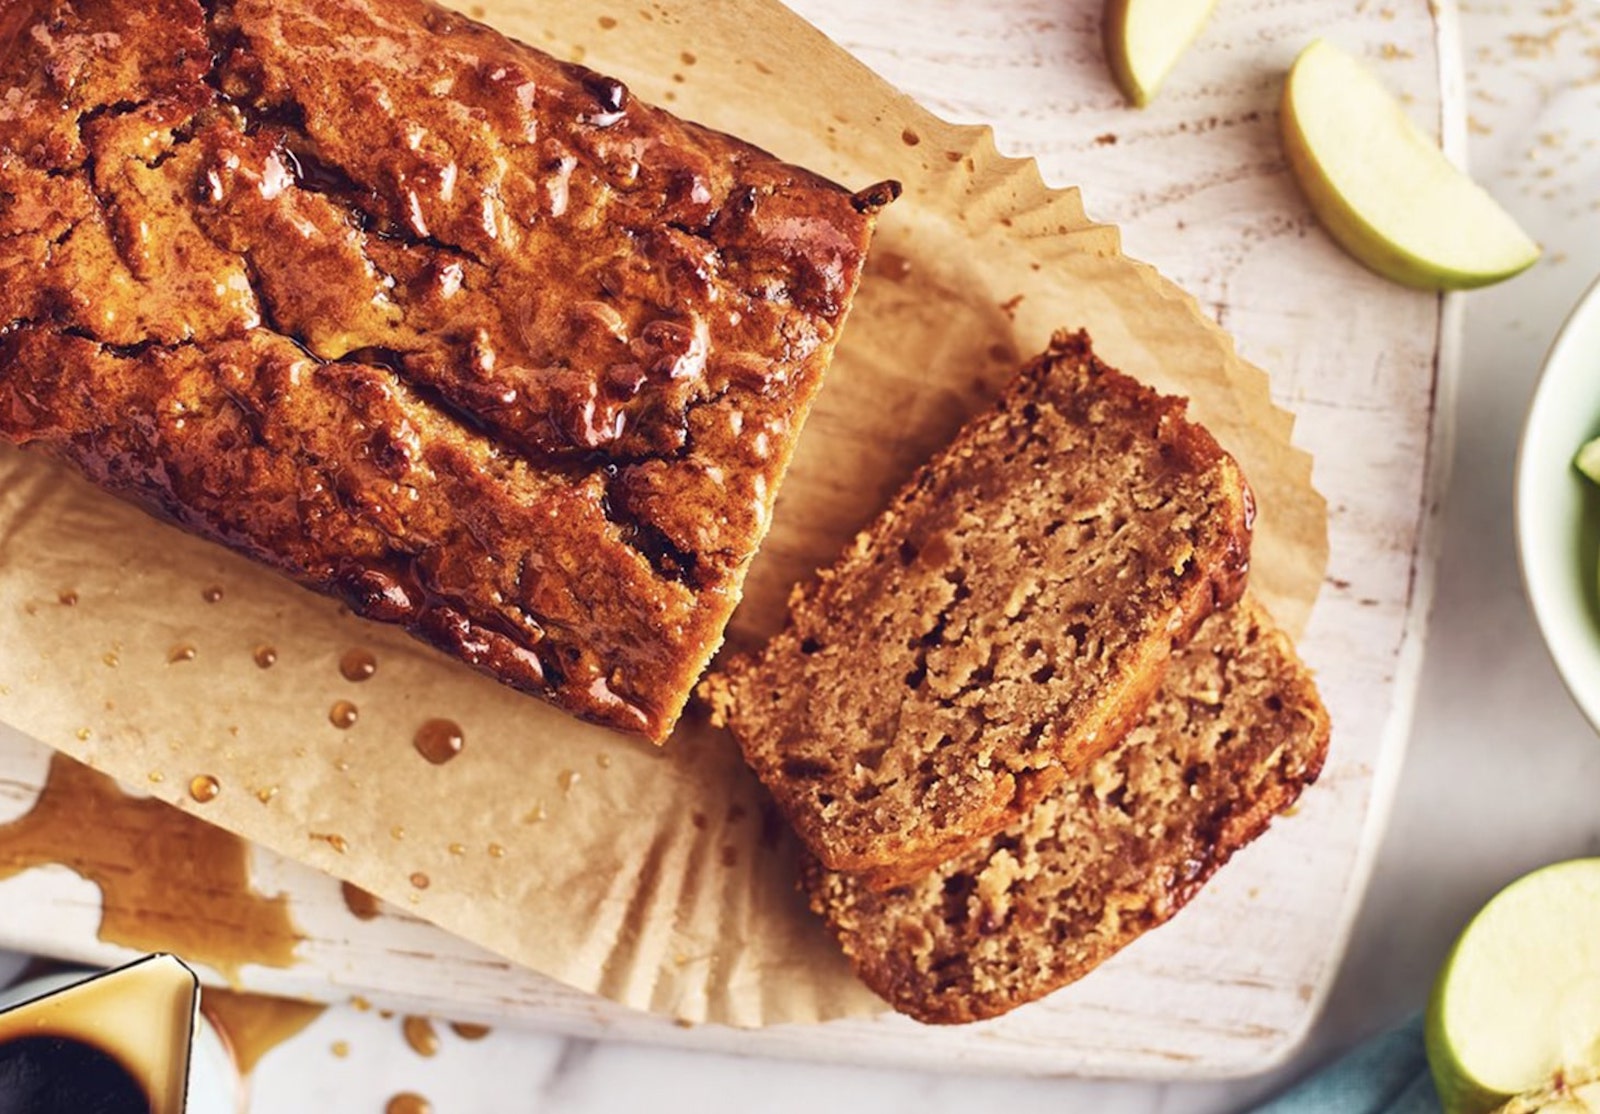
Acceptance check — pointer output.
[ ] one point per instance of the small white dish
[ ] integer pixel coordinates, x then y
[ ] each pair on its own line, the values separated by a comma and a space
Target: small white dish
1558, 509
214, 1084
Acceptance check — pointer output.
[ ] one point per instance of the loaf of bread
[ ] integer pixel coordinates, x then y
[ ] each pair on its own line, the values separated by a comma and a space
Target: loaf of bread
1000, 625
418, 316
1235, 734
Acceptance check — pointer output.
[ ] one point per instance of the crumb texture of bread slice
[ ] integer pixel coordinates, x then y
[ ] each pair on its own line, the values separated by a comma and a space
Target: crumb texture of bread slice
399, 307
1235, 734
1003, 622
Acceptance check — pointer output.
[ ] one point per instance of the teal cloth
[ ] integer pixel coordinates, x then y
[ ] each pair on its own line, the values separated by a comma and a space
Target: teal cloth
1386, 1075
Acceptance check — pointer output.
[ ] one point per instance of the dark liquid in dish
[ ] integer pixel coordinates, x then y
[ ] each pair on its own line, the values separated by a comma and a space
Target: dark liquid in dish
61, 1075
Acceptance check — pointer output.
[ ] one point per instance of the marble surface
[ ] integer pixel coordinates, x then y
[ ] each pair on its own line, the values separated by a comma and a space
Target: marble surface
1499, 778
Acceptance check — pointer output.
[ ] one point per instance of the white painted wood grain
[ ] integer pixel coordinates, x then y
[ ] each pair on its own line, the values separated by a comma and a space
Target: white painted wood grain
1200, 189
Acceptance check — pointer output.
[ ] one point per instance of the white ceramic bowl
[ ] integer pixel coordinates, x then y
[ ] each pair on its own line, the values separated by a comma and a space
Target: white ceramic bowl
1558, 509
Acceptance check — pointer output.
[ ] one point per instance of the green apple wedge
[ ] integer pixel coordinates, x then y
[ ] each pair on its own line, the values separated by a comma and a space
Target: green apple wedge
1588, 459
1516, 1008
1145, 38
1383, 189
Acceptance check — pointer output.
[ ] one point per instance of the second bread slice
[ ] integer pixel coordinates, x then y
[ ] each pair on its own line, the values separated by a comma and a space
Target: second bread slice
1002, 622
1236, 733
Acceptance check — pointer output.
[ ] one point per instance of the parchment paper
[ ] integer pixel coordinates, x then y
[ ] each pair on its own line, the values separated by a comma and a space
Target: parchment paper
657, 878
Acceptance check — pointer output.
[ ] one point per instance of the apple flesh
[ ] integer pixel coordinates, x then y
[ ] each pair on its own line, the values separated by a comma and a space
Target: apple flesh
1564, 1096
1516, 1008
1383, 189
1145, 38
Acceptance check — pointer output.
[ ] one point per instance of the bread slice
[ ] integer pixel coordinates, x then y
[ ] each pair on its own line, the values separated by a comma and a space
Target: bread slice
999, 625
1236, 733
419, 316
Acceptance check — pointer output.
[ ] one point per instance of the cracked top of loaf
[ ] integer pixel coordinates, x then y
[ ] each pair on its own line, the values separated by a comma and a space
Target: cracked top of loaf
419, 316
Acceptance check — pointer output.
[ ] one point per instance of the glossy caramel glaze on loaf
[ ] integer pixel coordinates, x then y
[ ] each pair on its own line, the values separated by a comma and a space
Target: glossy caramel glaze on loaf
1235, 734
1004, 621
418, 316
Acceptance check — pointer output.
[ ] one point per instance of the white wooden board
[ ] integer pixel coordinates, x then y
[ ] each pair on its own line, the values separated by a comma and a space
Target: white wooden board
1199, 185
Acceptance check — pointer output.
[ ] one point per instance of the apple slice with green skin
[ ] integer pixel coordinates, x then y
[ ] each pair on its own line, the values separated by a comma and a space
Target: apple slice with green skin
1516, 1008
1588, 459
1588, 462
1383, 189
1145, 38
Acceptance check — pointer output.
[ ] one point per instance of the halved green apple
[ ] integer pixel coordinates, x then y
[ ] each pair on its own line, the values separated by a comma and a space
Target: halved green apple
1145, 38
1516, 1008
1383, 189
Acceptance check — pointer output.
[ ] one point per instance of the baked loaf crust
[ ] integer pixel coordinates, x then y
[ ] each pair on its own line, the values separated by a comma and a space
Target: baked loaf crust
1234, 736
1001, 624
418, 316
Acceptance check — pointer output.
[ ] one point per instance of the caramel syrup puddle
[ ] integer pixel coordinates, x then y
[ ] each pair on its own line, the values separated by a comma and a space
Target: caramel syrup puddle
167, 881
255, 1024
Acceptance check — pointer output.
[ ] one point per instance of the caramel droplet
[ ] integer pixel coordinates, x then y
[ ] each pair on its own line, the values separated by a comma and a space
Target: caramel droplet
266, 793
266, 656
468, 1031
910, 138
69, 598
439, 740
358, 665
111, 659
363, 906
343, 714
180, 653
397, 832
568, 779
419, 880
408, 1102
333, 840
496, 851
359, 1004
458, 848
212, 594
420, 1035
156, 777
83, 734
536, 814
340, 1049
603, 761
204, 787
